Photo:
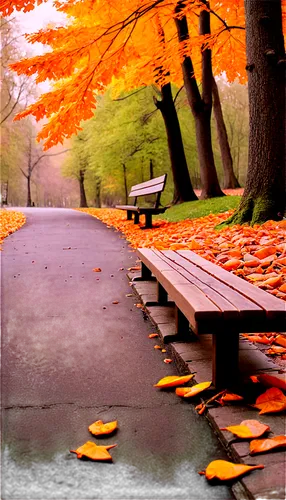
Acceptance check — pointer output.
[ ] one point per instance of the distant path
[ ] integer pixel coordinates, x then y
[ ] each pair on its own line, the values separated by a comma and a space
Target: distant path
70, 357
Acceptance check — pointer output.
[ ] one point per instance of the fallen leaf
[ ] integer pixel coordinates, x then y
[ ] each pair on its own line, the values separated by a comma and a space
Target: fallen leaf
164, 350
263, 445
173, 381
96, 270
224, 470
271, 401
134, 268
129, 295
247, 429
280, 340
93, 451
197, 388
157, 346
167, 360
115, 302
275, 349
98, 428
230, 397
153, 335
271, 380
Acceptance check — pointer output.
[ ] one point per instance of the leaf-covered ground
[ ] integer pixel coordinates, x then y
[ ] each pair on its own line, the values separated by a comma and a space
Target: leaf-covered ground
257, 254
10, 221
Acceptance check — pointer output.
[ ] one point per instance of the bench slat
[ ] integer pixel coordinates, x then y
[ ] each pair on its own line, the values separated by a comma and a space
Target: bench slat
189, 299
274, 308
157, 188
131, 208
151, 182
221, 293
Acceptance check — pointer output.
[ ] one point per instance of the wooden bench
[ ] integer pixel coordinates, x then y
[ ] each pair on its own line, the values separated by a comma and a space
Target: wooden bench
154, 186
209, 299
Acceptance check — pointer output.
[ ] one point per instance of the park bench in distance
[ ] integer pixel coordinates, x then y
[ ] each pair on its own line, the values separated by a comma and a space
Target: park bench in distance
154, 186
209, 299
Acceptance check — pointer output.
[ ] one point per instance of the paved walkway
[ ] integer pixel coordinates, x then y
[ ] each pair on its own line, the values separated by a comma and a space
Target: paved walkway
70, 357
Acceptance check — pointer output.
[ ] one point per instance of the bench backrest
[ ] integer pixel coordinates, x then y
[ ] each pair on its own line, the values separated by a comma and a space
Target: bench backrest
154, 186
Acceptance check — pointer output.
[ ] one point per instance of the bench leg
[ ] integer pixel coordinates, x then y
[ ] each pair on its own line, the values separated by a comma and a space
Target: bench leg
148, 221
225, 359
162, 296
145, 273
136, 218
182, 324
129, 215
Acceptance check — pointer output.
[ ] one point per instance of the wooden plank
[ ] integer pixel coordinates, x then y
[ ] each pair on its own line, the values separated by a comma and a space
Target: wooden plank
189, 299
274, 307
151, 182
131, 208
232, 303
147, 190
147, 210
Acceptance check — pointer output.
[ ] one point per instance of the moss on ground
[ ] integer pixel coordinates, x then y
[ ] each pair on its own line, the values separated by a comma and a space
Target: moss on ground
200, 208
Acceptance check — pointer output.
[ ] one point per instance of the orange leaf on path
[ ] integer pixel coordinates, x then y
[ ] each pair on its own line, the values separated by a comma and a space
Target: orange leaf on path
271, 401
173, 381
93, 452
232, 264
153, 335
229, 397
167, 360
196, 389
271, 380
280, 340
224, 470
96, 270
157, 346
247, 429
181, 391
98, 428
263, 445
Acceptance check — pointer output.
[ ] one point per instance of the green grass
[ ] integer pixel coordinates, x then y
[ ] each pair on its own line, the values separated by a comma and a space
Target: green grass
200, 208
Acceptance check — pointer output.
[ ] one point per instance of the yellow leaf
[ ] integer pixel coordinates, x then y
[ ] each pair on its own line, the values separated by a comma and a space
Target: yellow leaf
224, 470
173, 381
94, 452
247, 429
196, 389
98, 428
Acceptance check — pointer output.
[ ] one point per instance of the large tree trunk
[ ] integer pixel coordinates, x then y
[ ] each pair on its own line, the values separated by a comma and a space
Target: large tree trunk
265, 192
229, 181
201, 105
182, 182
83, 202
29, 198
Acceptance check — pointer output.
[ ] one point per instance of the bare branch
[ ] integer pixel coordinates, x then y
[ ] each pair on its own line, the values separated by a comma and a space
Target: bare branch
46, 155
129, 95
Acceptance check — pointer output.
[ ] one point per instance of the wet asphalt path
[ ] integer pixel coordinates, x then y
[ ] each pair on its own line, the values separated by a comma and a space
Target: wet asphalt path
70, 357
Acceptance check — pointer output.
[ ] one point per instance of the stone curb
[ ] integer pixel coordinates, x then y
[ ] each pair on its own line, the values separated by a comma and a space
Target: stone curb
266, 484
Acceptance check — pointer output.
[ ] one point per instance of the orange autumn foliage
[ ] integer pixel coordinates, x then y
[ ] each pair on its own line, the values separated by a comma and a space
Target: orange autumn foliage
195, 389
98, 428
102, 44
230, 244
173, 381
10, 221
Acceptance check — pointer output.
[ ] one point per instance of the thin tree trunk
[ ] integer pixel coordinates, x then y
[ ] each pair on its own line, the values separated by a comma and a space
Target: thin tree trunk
151, 170
83, 202
182, 182
125, 183
265, 191
201, 105
98, 193
230, 181
29, 198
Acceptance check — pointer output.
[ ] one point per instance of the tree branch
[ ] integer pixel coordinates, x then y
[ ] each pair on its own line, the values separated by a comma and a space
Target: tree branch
129, 95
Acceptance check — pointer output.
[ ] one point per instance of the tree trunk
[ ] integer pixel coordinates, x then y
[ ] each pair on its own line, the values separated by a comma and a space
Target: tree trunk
98, 193
201, 105
230, 181
29, 198
125, 183
181, 177
83, 202
265, 192
151, 169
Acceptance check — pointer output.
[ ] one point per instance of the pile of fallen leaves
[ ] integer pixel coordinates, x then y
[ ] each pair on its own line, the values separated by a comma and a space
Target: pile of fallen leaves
257, 254
10, 221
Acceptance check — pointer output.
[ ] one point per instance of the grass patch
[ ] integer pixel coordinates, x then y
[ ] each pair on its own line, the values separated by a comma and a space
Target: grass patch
200, 208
